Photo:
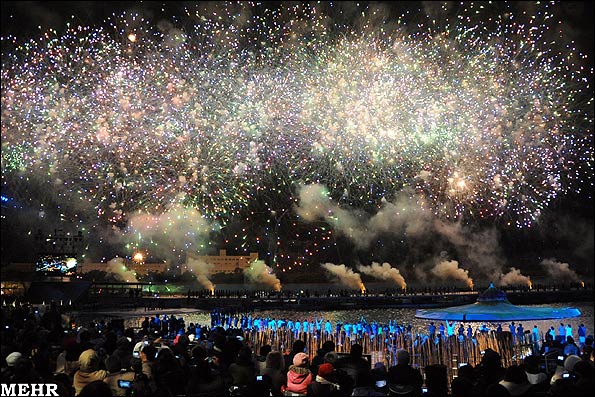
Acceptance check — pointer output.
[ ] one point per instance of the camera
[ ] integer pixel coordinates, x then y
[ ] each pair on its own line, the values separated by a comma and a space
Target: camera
380, 383
258, 377
135, 354
424, 390
124, 384
566, 375
560, 358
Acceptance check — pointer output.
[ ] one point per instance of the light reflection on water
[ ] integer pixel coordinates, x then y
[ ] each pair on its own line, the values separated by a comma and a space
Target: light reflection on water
401, 315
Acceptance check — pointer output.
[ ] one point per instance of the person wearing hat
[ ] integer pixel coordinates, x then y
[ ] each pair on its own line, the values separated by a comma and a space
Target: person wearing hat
566, 368
298, 375
12, 358
89, 370
299, 346
137, 348
325, 383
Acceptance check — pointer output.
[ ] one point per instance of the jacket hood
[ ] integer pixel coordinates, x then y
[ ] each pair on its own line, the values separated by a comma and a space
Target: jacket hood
298, 375
89, 361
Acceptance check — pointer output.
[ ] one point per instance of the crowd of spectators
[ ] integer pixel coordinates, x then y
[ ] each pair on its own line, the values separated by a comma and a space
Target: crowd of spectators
107, 359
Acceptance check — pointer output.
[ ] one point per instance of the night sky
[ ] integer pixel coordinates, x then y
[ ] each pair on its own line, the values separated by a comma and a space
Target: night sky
449, 141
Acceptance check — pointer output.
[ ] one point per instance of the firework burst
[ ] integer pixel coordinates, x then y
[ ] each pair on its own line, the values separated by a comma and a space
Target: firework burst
477, 120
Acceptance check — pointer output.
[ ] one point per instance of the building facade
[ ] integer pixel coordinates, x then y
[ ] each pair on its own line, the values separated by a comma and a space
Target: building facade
223, 263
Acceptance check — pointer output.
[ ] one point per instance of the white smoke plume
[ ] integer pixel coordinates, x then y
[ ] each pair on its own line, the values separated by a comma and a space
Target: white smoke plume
260, 273
514, 277
559, 271
480, 249
173, 232
201, 270
450, 270
315, 203
117, 267
405, 215
384, 272
345, 275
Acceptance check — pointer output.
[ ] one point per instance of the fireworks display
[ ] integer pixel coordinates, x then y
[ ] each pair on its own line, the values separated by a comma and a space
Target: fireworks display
479, 116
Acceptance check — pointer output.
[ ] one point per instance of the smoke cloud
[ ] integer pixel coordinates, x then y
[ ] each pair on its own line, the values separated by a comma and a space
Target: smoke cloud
344, 275
201, 270
315, 203
260, 273
479, 249
450, 270
559, 270
514, 277
118, 269
170, 234
404, 215
407, 216
384, 272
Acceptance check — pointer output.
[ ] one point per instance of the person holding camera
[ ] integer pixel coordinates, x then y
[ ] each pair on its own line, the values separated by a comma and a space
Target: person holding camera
118, 379
564, 367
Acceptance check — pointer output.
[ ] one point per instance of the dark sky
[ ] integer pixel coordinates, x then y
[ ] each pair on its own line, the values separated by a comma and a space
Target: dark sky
25, 19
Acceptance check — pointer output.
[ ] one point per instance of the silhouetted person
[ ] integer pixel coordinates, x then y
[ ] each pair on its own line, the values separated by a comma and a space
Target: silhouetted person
299, 346
354, 364
96, 389
402, 378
